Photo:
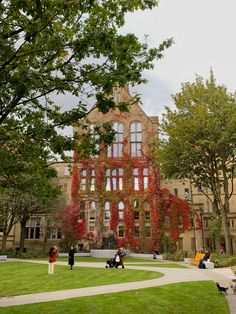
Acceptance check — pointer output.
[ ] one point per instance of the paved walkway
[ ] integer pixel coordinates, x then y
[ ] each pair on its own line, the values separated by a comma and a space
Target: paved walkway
171, 275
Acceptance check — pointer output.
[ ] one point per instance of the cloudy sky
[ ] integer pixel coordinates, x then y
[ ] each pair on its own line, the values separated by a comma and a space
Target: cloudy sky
204, 33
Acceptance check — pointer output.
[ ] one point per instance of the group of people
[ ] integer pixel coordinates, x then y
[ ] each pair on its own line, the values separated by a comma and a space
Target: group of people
52, 256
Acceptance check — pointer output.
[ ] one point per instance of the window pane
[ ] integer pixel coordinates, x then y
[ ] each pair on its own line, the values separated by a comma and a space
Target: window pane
136, 204
133, 137
139, 137
145, 183
139, 127
136, 184
132, 127
108, 185
109, 151
120, 184
121, 205
114, 184
113, 172
136, 215
138, 149
135, 171
145, 171
115, 150
115, 126
120, 152
133, 149
108, 173
84, 173
121, 128
121, 171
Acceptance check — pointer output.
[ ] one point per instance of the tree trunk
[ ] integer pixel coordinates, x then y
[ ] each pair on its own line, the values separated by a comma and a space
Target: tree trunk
4, 243
22, 236
225, 227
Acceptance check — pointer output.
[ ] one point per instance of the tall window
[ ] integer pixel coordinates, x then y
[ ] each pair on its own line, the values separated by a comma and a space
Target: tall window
167, 221
82, 209
121, 210
146, 208
92, 210
114, 179
33, 228
121, 230
116, 149
145, 178
92, 182
136, 139
83, 179
136, 179
107, 211
136, 209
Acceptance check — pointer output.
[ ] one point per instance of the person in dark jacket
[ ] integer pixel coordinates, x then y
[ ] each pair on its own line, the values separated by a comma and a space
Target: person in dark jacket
121, 253
71, 259
205, 258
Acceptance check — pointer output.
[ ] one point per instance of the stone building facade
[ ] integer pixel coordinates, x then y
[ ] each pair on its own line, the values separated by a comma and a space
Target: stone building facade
119, 194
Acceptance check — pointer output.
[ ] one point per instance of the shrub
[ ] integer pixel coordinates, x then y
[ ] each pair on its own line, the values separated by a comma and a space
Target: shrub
223, 260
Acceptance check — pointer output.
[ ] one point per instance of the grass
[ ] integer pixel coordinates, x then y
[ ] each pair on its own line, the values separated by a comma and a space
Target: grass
181, 298
24, 278
86, 259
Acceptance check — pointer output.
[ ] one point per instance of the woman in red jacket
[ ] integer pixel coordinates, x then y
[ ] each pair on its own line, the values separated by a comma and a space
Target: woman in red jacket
52, 256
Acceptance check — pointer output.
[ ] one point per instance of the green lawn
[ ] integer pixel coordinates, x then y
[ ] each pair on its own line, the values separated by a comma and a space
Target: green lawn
182, 298
23, 278
79, 259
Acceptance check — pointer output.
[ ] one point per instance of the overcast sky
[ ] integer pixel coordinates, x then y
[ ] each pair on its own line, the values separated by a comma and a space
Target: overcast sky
204, 33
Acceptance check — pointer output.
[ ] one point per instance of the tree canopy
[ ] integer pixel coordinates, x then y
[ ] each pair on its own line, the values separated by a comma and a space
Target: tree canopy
201, 140
64, 46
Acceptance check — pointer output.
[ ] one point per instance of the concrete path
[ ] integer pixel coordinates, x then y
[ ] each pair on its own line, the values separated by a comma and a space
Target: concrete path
171, 276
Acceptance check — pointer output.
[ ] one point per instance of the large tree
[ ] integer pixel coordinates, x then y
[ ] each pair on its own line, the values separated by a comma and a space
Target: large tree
62, 46
200, 143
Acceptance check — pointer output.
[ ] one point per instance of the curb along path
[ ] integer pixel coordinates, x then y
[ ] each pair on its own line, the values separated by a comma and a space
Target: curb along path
171, 276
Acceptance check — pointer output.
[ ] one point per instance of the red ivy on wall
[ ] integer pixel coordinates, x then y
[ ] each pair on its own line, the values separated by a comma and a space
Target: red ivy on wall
161, 203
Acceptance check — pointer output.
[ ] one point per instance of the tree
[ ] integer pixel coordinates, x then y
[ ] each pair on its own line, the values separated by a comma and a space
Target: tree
37, 197
8, 218
200, 143
62, 46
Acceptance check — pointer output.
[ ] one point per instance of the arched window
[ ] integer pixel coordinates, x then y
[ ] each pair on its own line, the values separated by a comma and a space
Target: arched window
107, 211
136, 139
121, 210
116, 149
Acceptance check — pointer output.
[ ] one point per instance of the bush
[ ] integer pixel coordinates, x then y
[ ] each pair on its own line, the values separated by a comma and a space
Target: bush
177, 257
223, 260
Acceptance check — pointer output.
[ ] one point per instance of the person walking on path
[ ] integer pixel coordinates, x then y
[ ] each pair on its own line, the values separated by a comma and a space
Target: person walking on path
121, 253
71, 259
52, 257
